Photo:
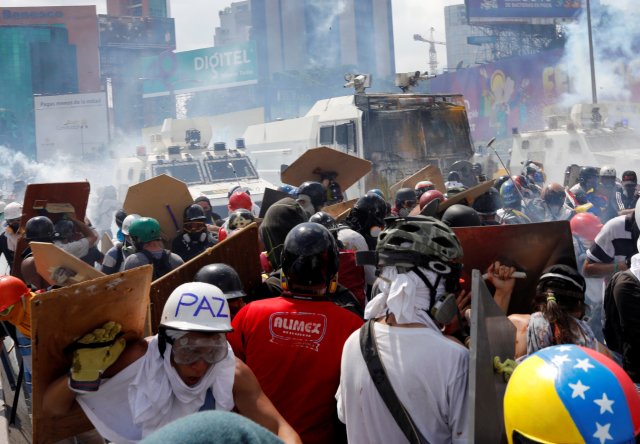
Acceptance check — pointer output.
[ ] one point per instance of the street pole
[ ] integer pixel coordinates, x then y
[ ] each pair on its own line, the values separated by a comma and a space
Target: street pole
594, 93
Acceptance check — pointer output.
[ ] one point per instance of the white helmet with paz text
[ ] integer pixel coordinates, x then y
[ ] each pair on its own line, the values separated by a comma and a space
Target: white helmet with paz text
197, 306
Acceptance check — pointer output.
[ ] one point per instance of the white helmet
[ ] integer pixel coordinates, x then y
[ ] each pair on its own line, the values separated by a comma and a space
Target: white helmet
126, 223
607, 171
13, 211
197, 306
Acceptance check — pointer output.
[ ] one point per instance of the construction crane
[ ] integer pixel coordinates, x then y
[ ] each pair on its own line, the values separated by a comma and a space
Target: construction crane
433, 56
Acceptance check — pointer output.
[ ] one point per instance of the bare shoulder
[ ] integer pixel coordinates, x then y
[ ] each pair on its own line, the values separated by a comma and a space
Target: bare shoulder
245, 380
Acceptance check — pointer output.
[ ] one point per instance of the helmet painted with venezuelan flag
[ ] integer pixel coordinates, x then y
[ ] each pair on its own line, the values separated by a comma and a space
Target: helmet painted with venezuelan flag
571, 394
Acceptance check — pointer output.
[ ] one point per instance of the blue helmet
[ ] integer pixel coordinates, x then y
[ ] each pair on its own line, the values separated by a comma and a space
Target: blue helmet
509, 194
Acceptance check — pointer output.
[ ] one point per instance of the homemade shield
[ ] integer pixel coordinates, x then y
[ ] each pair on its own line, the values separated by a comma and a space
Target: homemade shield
105, 243
492, 334
58, 267
51, 200
529, 247
162, 198
336, 210
239, 251
430, 172
269, 198
60, 317
317, 163
469, 195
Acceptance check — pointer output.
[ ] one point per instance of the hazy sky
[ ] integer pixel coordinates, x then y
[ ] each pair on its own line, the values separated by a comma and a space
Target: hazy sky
197, 19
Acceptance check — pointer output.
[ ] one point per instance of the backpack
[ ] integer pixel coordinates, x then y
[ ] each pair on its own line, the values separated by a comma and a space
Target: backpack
161, 266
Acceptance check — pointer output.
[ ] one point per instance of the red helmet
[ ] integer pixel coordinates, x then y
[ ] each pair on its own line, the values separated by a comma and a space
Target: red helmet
430, 195
11, 290
585, 225
240, 199
520, 181
424, 185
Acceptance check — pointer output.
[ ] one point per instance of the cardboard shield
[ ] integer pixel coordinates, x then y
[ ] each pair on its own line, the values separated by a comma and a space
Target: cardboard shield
105, 243
121, 297
571, 175
430, 172
51, 200
162, 197
50, 259
316, 162
492, 334
270, 197
529, 247
336, 210
464, 169
239, 251
469, 195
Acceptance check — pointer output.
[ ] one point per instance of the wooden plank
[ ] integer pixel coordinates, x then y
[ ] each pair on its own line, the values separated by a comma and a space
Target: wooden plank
39, 196
50, 257
105, 243
240, 251
430, 172
336, 210
469, 195
162, 197
316, 161
60, 317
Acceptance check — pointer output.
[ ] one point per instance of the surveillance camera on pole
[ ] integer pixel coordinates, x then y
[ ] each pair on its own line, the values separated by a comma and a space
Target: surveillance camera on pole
360, 82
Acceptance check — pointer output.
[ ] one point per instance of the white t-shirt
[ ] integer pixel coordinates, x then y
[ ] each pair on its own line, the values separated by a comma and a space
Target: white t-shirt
428, 372
79, 248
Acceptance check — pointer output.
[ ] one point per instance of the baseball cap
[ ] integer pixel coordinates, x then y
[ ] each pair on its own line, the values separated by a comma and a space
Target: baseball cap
629, 178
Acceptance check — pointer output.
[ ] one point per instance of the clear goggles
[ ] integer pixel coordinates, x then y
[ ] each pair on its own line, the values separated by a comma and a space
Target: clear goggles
189, 350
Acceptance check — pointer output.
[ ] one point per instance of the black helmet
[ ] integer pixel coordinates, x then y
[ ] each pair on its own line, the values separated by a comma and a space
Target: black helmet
309, 257
39, 229
563, 280
324, 219
222, 276
119, 217
63, 229
368, 211
587, 173
193, 213
489, 202
461, 216
404, 195
453, 176
316, 193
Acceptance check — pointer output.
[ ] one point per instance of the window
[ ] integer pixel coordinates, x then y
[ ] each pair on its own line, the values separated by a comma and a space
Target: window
326, 135
346, 137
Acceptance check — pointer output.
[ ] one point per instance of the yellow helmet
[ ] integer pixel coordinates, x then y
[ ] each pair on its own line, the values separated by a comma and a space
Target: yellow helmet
571, 394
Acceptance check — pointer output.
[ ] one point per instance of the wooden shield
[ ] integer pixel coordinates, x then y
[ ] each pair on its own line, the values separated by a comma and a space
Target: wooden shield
49, 257
47, 199
430, 172
239, 251
60, 317
162, 197
529, 247
336, 210
318, 161
270, 197
469, 195
492, 334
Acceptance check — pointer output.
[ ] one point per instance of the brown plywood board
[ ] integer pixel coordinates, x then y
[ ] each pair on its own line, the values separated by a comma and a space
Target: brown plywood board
336, 210
430, 172
61, 316
49, 257
105, 243
492, 334
240, 251
40, 196
529, 247
469, 195
349, 169
162, 197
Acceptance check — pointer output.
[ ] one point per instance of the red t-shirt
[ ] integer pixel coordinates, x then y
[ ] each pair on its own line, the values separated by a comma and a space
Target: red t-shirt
294, 348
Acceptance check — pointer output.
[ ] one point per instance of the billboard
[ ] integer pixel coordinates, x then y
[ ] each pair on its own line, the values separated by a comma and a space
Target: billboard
71, 124
501, 11
200, 70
